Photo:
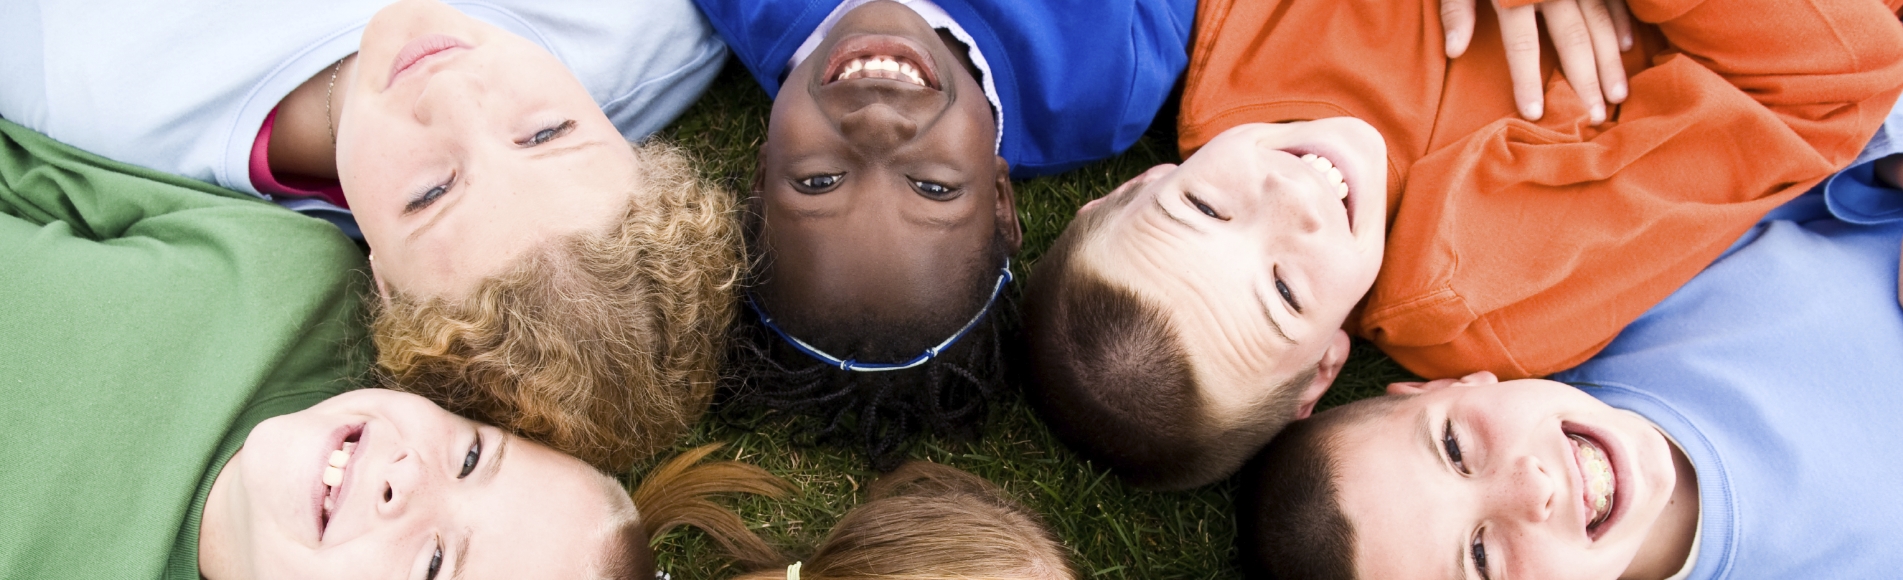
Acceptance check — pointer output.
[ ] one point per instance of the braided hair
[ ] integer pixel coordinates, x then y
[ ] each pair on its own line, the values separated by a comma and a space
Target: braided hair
948, 395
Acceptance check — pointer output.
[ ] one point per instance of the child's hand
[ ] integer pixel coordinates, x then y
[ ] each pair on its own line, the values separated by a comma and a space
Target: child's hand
1588, 34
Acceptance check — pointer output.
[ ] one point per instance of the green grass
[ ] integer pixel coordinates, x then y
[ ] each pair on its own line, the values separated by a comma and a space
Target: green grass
1113, 530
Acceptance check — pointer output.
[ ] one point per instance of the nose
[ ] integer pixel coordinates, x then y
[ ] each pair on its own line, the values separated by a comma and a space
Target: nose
402, 485
1526, 490
449, 95
1299, 203
877, 127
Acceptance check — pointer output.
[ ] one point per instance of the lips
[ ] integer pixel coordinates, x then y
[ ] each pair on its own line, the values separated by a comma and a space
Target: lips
1601, 475
879, 56
418, 49
1596, 479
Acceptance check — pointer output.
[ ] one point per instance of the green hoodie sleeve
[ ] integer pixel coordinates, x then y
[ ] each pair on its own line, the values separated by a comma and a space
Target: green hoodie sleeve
147, 322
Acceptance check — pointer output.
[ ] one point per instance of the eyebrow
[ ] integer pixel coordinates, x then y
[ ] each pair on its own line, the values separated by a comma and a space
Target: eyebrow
1266, 314
547, 152
502, 451
462, 553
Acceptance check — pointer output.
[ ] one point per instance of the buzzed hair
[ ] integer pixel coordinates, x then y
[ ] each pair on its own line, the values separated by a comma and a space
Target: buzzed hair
1112, 379
1289, 522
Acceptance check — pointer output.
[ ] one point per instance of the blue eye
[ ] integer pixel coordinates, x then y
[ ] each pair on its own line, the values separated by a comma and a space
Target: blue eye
547, 134
1288, 295
470, 459
1204, 207
429, 196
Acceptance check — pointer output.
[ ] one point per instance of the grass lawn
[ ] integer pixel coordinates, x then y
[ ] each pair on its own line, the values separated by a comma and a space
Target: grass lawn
1114, 530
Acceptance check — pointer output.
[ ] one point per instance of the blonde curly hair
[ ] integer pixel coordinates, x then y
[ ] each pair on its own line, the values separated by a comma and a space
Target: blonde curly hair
604, 345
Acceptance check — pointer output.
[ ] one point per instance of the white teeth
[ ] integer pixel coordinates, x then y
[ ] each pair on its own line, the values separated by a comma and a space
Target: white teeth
333, 476
339, 457
350, 447
881, 67
329, 505
1327, 168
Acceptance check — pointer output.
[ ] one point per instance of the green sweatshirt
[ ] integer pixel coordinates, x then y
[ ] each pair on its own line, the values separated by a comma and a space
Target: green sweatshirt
147, 323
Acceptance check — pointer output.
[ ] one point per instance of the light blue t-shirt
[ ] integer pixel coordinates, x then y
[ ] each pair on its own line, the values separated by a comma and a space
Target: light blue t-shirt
1779, 371
183, 86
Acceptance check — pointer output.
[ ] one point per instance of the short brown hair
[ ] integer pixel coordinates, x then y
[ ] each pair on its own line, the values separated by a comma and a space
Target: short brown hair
1289, 522
1113, 380
605, 345
926, 520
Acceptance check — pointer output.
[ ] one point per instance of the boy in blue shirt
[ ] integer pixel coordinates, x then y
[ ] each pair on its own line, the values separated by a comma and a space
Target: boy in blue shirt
883, 203
1743, 428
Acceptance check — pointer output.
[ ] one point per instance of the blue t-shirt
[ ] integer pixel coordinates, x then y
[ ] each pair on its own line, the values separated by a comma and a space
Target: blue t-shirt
1078, 80
1779, 370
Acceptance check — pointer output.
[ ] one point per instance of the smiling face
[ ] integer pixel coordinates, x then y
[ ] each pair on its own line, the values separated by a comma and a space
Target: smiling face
461, 145
1257, 252
879, 174
1524, 479
380, 484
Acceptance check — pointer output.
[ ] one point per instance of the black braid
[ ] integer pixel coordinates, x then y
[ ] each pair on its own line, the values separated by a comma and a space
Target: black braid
950, 395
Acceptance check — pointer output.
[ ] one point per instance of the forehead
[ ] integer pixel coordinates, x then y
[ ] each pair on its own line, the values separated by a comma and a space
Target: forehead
547, 515
515, 201
1392, 490
1209, 289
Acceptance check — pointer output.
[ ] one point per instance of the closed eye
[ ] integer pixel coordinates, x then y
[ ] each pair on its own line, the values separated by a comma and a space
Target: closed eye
547, 134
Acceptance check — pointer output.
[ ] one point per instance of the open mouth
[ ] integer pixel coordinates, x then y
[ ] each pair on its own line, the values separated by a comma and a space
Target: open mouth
337, 464
882, 57
1333, 176
1598, 480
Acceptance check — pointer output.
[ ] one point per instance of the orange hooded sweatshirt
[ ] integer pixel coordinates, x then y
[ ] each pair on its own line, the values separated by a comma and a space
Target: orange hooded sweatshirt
1521, 247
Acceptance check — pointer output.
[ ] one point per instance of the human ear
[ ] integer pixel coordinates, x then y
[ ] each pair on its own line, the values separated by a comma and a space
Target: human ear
1007, 208
383, 290
1325, 372
1142, 179
1415, 388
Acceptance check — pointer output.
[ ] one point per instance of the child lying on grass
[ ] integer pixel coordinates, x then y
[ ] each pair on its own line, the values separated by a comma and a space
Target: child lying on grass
884, 216
536, 271
177, 359
1180, 321
1742, 428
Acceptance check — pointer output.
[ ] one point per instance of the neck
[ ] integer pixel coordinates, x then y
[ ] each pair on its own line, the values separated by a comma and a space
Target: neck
215, 535
1669, 544
301, 142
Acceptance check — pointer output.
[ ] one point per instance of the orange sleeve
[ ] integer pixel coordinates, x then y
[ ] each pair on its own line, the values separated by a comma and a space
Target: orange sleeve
1523, 248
